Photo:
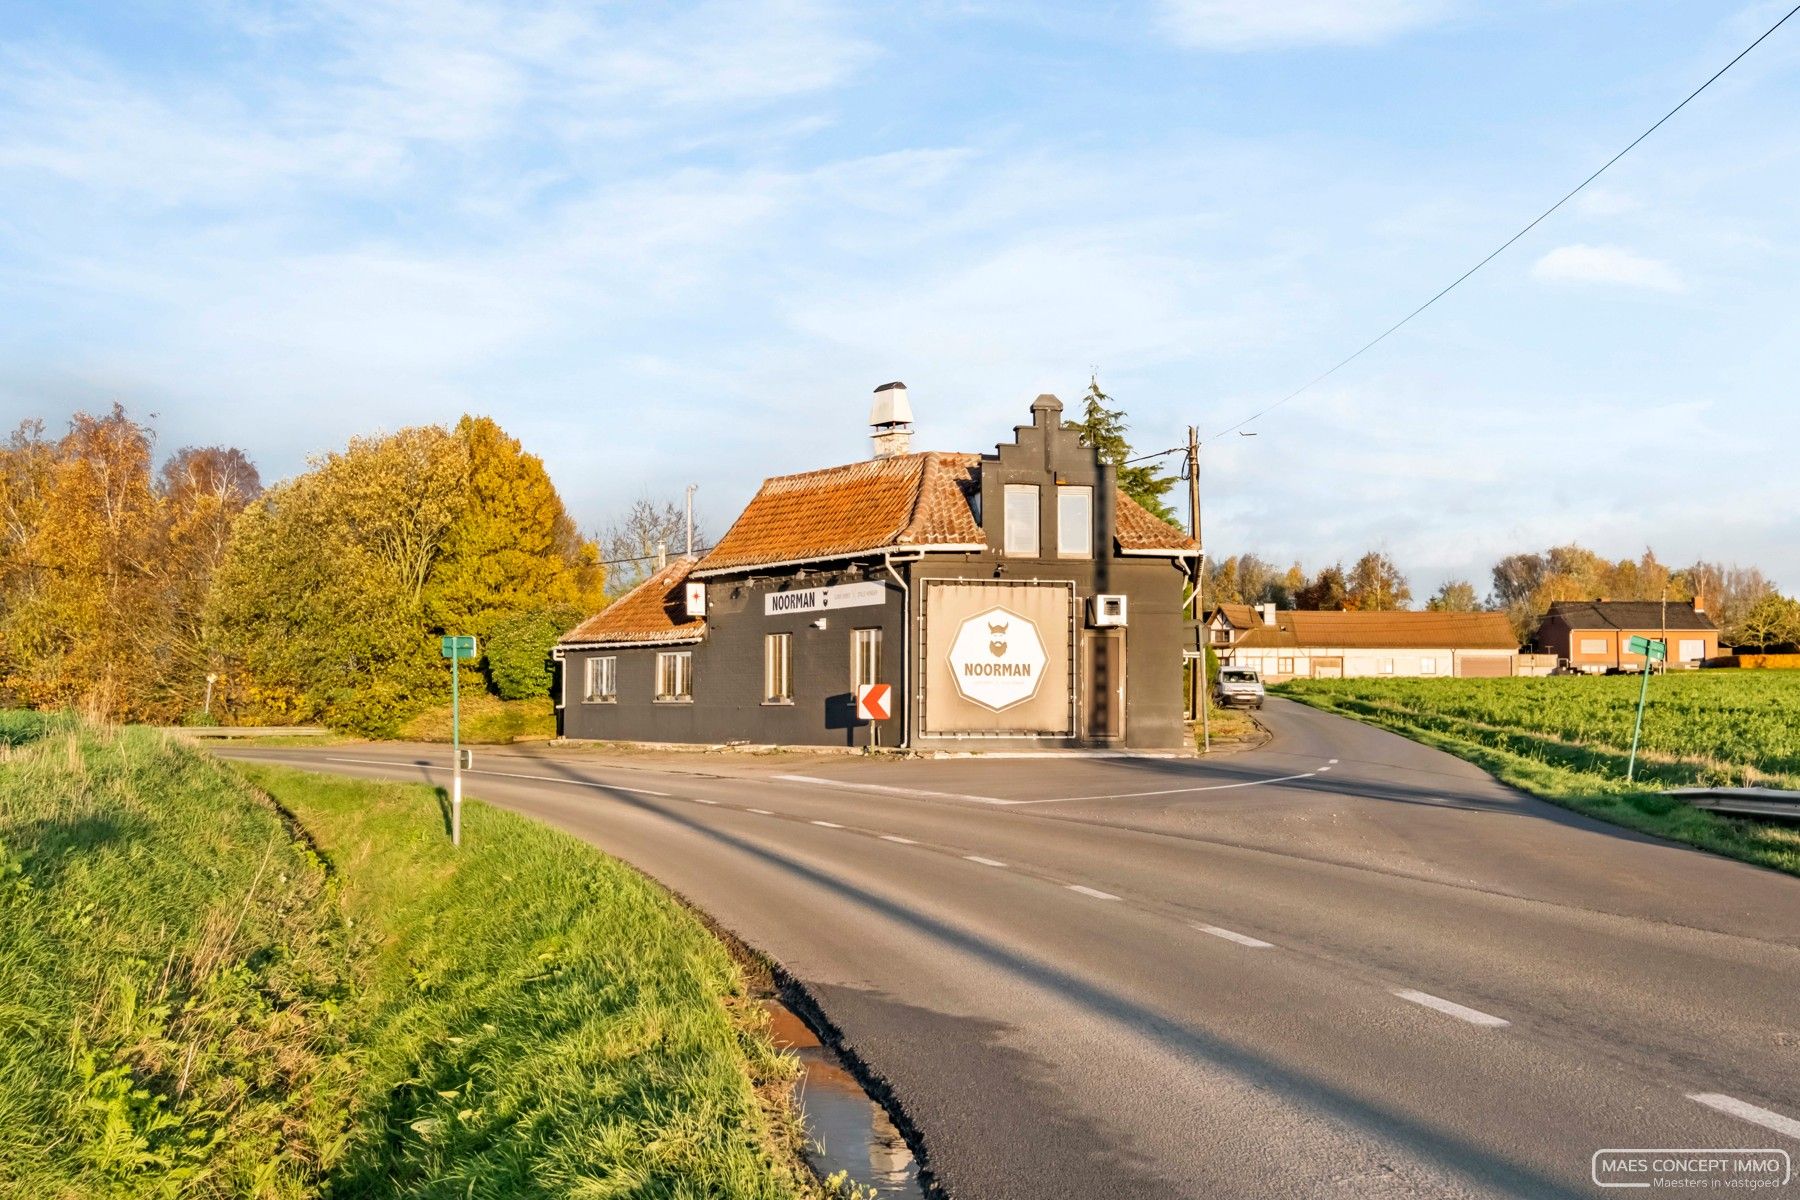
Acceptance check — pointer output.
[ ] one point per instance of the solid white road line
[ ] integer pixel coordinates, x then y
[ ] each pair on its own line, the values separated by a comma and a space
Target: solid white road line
610, 787
828, 824
894, 837
1211, 787
1748, 1112
1239, 938
1450, 1008
986, 862
1096, 893
761, 812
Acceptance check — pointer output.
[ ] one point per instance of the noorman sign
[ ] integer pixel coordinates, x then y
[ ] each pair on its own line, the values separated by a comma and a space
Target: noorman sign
997, 659
823, 599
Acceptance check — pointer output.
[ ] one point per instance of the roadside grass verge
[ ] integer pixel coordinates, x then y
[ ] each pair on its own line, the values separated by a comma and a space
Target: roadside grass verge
486, 720
1567, 740
249, 981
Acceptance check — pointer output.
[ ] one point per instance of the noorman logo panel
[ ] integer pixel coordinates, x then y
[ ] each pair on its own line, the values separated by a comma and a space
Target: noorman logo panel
997, 659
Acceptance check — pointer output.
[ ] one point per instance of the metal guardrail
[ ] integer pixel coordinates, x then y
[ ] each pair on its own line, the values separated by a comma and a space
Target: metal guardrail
1750, 801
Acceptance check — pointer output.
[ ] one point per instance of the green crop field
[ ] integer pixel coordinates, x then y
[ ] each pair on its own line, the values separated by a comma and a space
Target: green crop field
261, 983
1567, 738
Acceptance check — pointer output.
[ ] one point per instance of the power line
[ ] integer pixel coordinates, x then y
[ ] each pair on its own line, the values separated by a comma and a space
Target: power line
1536, 221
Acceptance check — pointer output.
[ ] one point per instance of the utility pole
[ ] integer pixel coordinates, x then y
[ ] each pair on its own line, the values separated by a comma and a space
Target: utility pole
691, 488
1200, 680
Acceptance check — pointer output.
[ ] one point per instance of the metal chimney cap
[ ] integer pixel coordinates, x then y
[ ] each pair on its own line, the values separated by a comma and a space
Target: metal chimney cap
891, 406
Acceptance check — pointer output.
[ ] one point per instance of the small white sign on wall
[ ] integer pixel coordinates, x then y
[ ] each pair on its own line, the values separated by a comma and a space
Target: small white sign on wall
824, 599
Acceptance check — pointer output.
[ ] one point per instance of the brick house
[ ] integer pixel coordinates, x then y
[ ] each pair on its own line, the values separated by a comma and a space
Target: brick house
1591, 635
1012, 600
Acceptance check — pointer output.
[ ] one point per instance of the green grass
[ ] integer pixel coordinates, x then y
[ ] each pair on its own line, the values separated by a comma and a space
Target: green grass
1568, 738
201, 995
486, 720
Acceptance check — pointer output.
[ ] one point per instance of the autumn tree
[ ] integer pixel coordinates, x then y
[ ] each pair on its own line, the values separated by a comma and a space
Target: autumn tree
1375, 584
1326, 591
1456, 595
512, 547
1103, 428
1772, 621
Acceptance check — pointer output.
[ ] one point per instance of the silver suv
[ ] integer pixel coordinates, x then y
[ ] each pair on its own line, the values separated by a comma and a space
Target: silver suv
1239, 685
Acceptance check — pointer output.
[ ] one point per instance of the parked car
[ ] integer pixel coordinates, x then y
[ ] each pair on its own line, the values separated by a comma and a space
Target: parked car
1239, 685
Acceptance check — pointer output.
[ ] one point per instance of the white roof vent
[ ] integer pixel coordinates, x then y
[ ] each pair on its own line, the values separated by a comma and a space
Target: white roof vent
890, 420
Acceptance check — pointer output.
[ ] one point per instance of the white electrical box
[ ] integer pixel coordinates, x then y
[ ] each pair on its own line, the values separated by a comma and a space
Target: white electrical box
1107, 609
696, 599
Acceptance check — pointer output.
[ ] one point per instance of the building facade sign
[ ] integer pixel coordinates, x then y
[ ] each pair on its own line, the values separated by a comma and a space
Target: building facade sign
997, 659
824, 599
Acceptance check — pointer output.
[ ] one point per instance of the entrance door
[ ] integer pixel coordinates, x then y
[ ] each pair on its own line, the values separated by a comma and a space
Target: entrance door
1103, 683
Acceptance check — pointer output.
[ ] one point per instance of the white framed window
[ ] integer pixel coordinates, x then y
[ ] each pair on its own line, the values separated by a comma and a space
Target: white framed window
1428, 666
1074, 521
865, 657
1385, 666
1691, 650
1593, 645
778, 677
602, 685
1284, 666
1021, 515
675, 676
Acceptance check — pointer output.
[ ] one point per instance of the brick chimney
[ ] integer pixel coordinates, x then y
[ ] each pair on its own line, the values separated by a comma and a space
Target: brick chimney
1700, 603
890, 421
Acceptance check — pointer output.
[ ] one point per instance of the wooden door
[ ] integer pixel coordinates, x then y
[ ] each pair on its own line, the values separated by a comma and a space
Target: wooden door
1103, 683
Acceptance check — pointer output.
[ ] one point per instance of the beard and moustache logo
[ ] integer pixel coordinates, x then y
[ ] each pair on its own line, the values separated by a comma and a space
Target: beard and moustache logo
997, 639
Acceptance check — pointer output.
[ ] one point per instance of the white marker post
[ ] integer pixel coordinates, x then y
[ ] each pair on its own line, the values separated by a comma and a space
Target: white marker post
456, 648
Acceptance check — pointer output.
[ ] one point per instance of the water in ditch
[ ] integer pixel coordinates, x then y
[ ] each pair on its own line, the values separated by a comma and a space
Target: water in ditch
845, 1129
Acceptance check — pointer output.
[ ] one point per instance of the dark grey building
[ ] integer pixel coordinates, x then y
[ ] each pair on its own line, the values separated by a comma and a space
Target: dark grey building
1011, 600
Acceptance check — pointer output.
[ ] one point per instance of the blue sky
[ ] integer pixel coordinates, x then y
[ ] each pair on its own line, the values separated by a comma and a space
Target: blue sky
666, 244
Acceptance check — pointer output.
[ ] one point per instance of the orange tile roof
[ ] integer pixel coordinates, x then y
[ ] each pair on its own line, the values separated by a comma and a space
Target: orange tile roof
655, 611
923, 500
1377, 630
1241, 616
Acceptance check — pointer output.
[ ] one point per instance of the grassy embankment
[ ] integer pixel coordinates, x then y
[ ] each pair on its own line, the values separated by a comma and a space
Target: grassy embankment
202, 996
1567, 740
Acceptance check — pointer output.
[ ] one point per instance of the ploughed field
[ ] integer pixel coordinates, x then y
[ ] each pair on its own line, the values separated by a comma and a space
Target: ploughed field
249, 981
1568, 738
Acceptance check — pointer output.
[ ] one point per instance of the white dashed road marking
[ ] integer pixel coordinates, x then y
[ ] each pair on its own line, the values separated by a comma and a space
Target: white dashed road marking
761, 812
698, 800
609, 787
1450, 1008
828, 824
1096, 893
1748, 1112
894, 837
884, 789
986, 862
1239, 938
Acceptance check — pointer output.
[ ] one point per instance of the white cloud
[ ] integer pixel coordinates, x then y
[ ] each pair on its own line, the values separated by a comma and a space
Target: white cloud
1264, 24
1582, 263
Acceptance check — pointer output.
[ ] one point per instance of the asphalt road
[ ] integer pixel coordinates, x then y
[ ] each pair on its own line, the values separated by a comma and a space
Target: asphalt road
1341, 965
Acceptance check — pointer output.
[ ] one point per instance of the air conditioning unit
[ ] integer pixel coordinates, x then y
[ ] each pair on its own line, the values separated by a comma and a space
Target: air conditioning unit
1106, 609
696, 599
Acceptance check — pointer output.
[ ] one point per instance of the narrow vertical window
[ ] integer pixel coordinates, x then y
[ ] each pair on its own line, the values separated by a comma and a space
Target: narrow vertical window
1021, 517
602, 680
778, 684
865, 657
675, 675
1074, 522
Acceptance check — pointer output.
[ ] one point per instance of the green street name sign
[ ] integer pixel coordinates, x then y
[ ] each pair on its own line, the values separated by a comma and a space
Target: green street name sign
460, 646
1650, 648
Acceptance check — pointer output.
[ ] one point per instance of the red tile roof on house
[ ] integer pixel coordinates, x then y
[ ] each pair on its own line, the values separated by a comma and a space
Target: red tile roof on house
910, 501
653, 612
1301, 629
1240, 616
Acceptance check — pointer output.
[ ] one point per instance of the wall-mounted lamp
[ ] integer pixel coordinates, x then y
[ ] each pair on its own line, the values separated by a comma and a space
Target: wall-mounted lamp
818, 623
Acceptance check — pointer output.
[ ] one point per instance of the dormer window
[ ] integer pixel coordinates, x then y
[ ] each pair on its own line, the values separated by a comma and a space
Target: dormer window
1074, 522
1021, 515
